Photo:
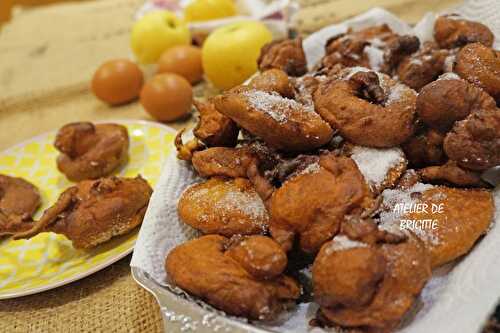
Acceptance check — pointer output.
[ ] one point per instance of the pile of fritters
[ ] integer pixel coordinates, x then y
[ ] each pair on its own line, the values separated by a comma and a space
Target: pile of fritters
365, 170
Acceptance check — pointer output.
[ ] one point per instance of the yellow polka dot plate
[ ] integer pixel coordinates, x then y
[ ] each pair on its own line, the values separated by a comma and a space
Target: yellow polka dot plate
48, 260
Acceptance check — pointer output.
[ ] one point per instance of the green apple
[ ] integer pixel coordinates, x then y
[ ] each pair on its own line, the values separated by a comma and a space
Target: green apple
155, 32
230, 53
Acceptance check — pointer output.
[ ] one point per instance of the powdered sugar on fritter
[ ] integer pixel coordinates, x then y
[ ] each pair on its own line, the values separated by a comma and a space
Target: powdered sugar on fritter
390, 218
375, 57
342, 242
311, 168
273, 105
375, 164
248, 203
392, 197
397, 92
349, 72
449, 76
303, 95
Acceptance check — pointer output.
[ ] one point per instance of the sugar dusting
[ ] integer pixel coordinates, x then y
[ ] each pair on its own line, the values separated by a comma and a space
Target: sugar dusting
275, 106
375, 164
384, 80
449, 62
392, 197
449, 76
349, 72
303, 95
311, 168
342, 242
248, 203
416, 61
377, 42
397, 92
390, 217
375, 57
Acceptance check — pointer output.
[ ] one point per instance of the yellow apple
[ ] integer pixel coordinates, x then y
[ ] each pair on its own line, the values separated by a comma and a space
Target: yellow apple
204, 10
230, 53
155, 32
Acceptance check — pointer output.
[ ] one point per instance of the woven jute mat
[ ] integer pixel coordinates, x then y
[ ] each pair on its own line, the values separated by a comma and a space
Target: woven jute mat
47, 57
109, 301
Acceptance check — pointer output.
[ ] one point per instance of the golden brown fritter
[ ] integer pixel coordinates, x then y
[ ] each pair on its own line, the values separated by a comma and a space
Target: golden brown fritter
381, 167
219, 273
214, 128
348, 48
94, 211
408, 179
260, 256
223, 161
377, 47
425, 148
368, 108
282, 123
422, 67
19, 200
441, 103
474, 143
91, 151
224, 206
480, 65
466, 215
451, 173
286, 54
273, 80
369, 286
452, 31
312, 203
347, 279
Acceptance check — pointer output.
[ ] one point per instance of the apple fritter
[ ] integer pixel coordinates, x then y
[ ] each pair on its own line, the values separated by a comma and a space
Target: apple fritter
91, 151
424, 66
313, 201
222, 273
19, 200
451, 174
466, 215
448, 220
273, 80
474, 143
224, 206
369, 286
94, 211
223, 161
368, 108
286, 54
443, 102
480, 65
282, 123
452, 31
214, 128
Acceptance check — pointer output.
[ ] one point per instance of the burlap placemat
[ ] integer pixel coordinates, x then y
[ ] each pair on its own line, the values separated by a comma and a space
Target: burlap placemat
109, 301
47, 57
